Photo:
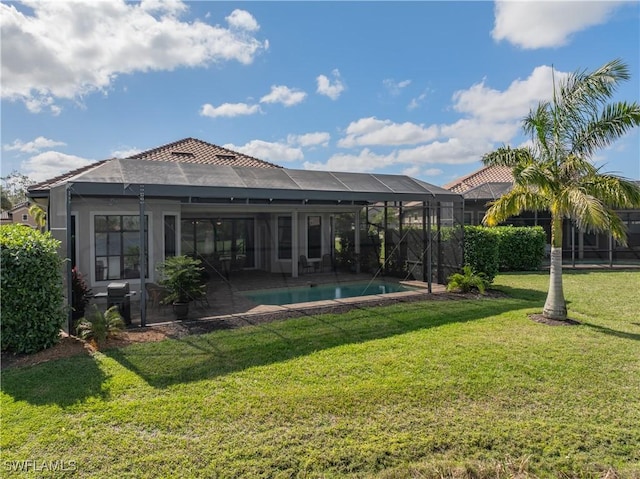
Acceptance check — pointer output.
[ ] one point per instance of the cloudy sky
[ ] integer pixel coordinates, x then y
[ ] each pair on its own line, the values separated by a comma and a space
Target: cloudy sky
417, 88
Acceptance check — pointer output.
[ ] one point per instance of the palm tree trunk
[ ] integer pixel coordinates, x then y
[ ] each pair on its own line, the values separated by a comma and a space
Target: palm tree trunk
555, 306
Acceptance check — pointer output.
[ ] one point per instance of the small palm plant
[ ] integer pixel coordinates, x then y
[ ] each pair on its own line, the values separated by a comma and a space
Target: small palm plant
98, 326
467, 281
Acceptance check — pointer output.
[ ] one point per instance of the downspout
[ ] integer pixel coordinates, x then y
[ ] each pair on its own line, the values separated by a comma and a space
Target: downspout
430, 252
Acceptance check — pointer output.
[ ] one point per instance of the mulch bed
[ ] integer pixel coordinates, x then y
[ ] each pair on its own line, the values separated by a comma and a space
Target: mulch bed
539, 318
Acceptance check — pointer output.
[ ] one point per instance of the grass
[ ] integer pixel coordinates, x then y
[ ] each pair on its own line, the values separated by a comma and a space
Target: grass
468, 388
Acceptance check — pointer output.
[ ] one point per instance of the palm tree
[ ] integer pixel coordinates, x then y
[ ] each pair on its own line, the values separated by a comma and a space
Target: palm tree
555, 172
39, 215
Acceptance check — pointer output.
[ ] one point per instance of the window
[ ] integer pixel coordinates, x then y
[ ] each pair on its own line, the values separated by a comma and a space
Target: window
284, 237
25, 217
169, 236
117, 251
468, 217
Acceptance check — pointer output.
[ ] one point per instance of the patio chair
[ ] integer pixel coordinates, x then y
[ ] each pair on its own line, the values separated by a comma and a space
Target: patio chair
155, 294
304, 265
326, 263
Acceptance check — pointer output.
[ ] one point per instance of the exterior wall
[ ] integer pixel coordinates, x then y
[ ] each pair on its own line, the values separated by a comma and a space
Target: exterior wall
84, 210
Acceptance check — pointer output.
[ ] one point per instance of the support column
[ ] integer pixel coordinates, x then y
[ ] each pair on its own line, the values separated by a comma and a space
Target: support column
295, 248
68, 261
143, 263
356, 238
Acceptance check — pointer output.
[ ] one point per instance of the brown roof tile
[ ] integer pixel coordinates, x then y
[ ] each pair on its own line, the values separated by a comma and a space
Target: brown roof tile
487, 174
191, 150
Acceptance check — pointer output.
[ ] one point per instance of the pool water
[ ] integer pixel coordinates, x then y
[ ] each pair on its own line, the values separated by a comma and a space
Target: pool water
323, 292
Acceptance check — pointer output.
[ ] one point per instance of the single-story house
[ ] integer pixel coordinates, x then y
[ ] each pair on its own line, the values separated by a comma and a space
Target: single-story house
119, 217
491, 182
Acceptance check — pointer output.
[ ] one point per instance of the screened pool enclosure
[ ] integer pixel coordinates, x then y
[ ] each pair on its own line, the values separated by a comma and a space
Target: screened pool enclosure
242, 219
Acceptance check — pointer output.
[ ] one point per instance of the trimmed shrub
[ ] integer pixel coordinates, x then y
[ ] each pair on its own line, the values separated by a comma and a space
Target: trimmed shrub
33, 308
521, 248
481, 250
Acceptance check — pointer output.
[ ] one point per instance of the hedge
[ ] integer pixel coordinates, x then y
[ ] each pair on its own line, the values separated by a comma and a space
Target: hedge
33, 308
481, 250
521, 248
504, 248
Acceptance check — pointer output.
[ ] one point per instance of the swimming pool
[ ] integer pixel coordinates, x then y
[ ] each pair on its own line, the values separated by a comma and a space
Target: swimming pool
323, 292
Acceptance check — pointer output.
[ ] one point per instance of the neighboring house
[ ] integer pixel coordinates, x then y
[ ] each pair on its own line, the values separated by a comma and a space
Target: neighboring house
233, 211
489, 183
19, 214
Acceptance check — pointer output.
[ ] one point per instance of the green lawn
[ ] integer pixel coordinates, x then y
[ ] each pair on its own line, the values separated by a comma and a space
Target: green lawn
467, 388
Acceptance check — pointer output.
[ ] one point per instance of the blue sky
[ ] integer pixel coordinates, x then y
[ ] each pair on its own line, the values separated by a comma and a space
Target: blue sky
417, 88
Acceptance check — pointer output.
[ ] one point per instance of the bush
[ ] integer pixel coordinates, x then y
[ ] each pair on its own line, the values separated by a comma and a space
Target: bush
481, 250
521, 248
81, 294
99, 326
33, 309
467, 280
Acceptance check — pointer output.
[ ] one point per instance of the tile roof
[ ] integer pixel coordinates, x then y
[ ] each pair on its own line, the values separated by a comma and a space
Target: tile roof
191, 150
487, 174
188, 150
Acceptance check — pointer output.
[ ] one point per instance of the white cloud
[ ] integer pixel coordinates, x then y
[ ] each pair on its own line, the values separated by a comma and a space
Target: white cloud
332, 90
371, 131
69, 49
243, 20
416, 102
513, 103
274, 152
539, 24
229, 110
50, 164
395, 87
310, 139
453, 151
285, 95
417, 170
34, 146
364, 161
126, 153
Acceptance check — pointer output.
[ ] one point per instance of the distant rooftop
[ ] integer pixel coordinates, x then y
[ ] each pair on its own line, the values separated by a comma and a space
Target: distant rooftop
486, 175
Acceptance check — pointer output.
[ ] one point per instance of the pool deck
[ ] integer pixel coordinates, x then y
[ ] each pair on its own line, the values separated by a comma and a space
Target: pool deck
226, 299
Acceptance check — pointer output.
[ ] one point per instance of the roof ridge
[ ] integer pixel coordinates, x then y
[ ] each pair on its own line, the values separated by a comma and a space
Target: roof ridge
151, 152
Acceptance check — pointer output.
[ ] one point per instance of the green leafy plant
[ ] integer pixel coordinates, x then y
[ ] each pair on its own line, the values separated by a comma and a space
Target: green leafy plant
481, 250
33, 309
468, 280
99, 326
81, 294
182, 276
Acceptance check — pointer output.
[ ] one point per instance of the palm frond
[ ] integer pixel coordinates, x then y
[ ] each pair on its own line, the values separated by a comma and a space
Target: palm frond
615, 191
601, 130
538, 125
520, 198
585, 91
507, 156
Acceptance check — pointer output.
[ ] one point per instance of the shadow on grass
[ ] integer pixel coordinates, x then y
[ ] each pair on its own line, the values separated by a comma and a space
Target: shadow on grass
613, 332
198, 357
64, 382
